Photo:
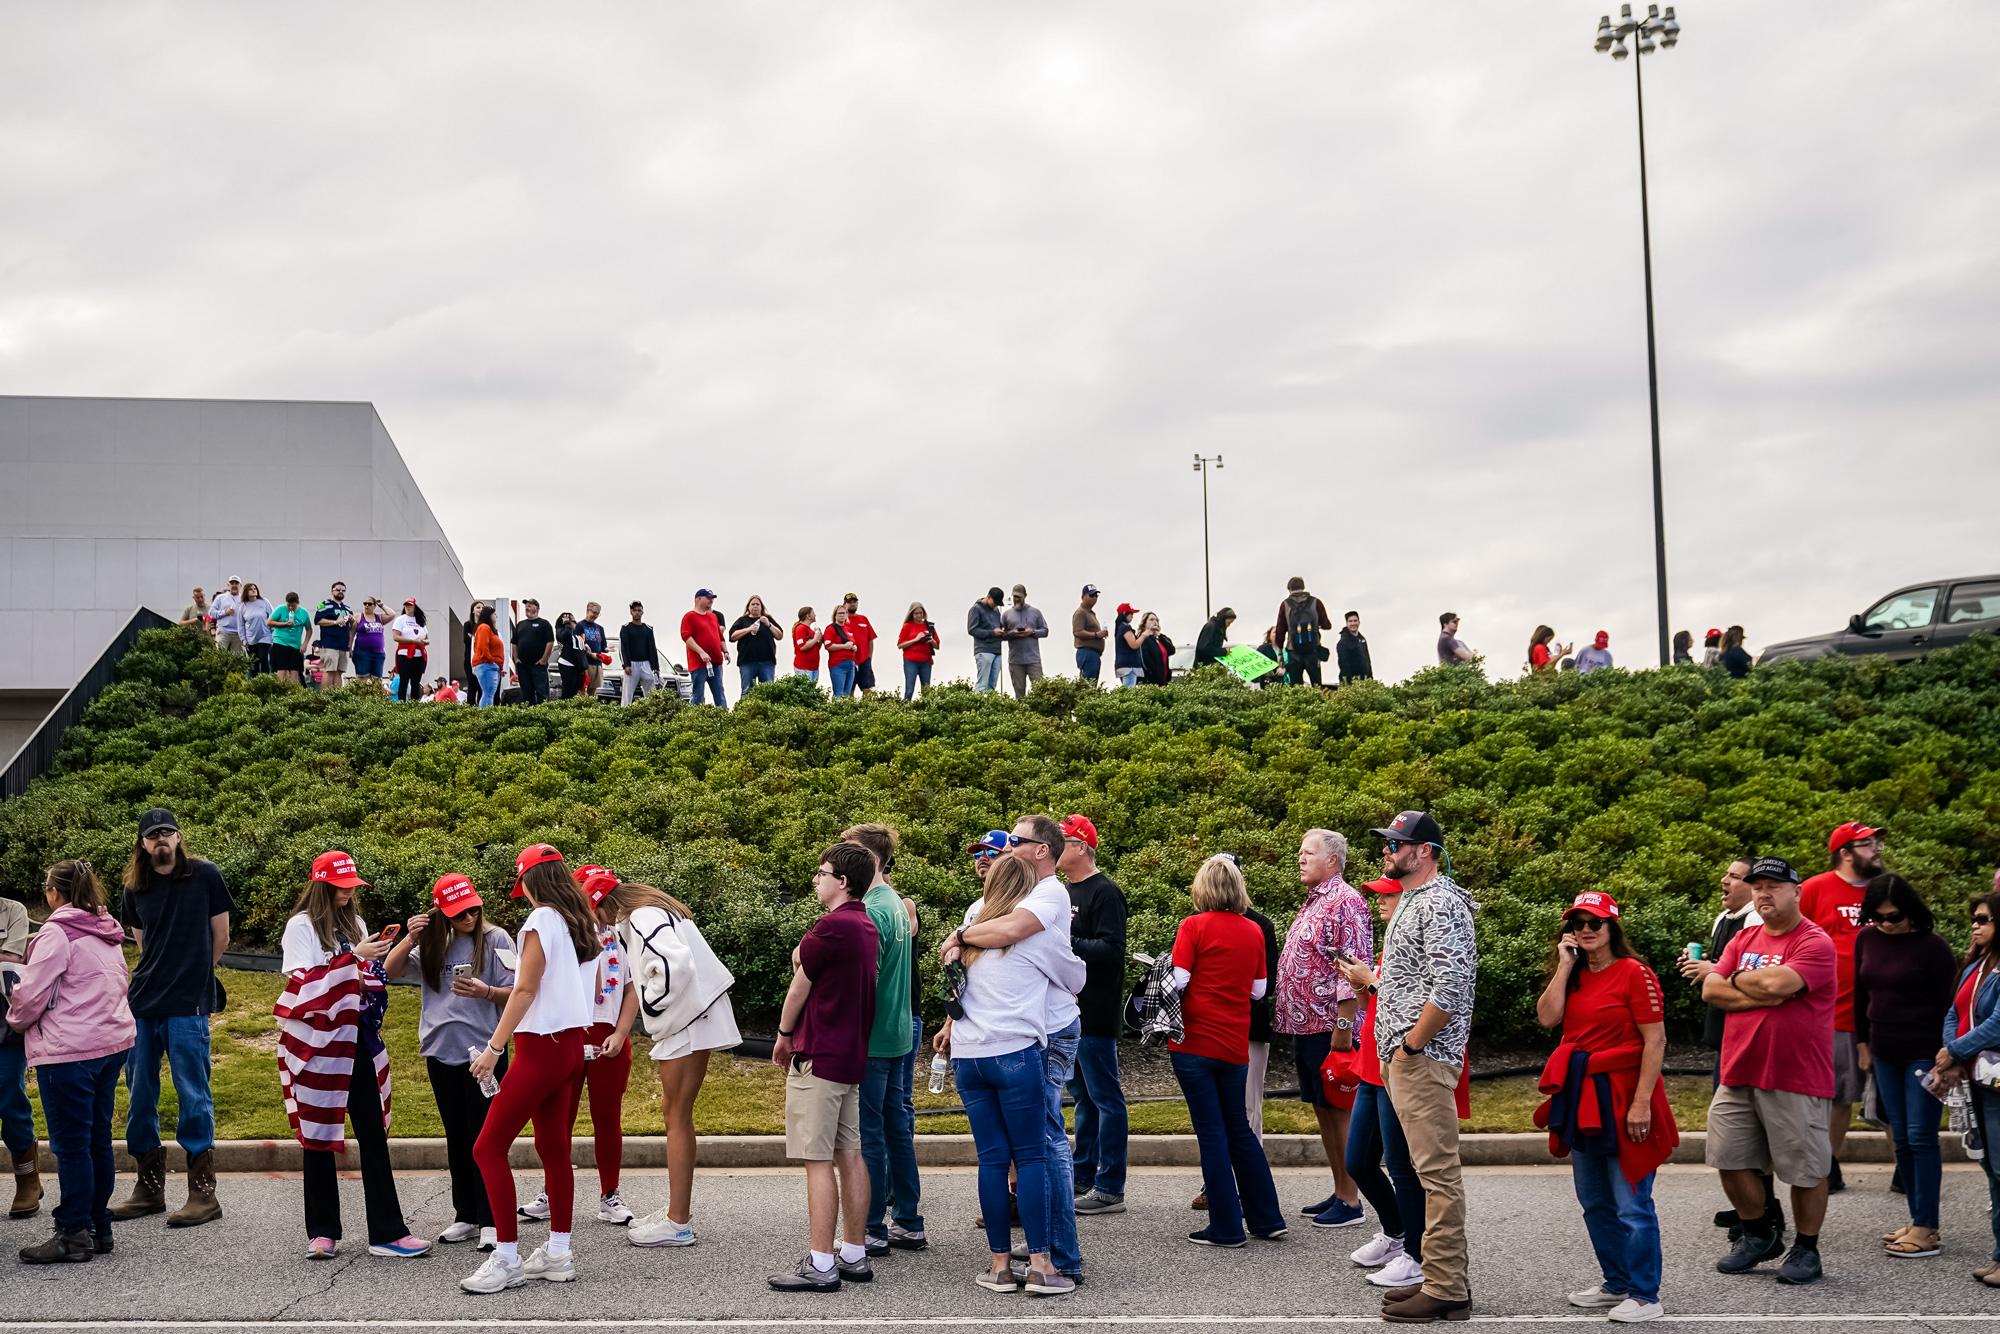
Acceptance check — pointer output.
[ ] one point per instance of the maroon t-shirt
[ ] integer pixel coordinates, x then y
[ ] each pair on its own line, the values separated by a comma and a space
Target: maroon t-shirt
838, 954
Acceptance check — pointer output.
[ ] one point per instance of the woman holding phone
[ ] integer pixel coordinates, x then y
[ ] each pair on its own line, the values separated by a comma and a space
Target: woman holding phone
918, 640
330, 963
841, 653
462, 962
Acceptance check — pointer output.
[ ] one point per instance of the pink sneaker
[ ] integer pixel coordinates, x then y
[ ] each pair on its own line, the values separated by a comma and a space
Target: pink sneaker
322, 1248
404, 1248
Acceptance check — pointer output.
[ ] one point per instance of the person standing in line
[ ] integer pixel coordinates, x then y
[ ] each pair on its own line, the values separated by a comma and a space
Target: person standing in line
333, 624
863, 632
226, 610
1450, 648
1351, 651
412, 635
638, 656
469, 630
332, 1064
1971, 1027
1832, 901
489, 657
595, 646
1430, 967
888, 1135
546, 1018
198, 614
701, 635
1734, 658
461, 963
1683, 648
756, 634
1711, 651
570, 655
1024, 628
1156, 651
1903, 987
841, 655
1543, 651
985, 625
1597, 657
253, 613
1097, 936
534, 642
1775, 985
69, 1015
177, 908
370, 648
822, 1047
918, 639
17, 1114
1301, 632
1125, 663
1088, 633
289, 627
805, 646
1213, 641
1319, 1008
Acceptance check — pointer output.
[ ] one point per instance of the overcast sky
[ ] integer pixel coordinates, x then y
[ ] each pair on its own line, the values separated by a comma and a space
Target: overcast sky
913, 299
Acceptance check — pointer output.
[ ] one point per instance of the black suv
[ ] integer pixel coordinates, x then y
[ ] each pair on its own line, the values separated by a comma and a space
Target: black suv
1907, 624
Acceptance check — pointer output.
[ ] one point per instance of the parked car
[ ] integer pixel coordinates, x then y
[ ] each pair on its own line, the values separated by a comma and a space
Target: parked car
1907, 624
674, 677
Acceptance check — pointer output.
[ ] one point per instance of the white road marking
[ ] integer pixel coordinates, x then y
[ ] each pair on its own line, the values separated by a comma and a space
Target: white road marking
1053, 1318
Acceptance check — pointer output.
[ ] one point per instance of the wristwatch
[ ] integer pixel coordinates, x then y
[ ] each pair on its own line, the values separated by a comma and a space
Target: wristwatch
1371, 988
1411, 1050
1343, 1024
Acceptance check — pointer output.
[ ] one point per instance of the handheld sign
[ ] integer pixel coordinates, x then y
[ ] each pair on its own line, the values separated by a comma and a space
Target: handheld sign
1247, 662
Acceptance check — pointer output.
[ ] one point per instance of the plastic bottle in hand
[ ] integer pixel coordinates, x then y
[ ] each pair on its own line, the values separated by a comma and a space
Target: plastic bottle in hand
940, 1071
487, 1083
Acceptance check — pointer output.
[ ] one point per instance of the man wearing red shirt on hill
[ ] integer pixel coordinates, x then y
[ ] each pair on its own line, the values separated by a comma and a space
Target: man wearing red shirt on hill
701, 634
863, 633
1832, 901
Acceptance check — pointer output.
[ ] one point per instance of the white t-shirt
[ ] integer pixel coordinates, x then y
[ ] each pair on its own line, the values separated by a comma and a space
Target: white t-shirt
562, 1001
1010, 998
406, 627
302, 948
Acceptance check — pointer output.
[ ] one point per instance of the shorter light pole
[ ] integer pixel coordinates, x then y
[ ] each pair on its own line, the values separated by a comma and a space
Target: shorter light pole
1202, 466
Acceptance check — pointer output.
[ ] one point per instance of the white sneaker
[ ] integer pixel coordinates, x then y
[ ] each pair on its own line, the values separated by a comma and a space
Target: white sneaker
536, 1209
656, 1229
1401, 1272
488, 1239
1377, 1252
458, 1232
496, 1275
1596, 1299
559, 1269
611, 1209
1631, 1311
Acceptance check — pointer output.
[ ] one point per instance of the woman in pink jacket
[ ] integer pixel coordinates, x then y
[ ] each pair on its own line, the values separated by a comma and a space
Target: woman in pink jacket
70, 1006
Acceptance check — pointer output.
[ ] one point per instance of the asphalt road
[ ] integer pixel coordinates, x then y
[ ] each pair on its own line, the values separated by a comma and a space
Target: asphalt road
1528, 1250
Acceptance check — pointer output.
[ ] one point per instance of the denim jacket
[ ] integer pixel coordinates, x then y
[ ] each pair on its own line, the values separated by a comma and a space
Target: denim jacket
1985, 1030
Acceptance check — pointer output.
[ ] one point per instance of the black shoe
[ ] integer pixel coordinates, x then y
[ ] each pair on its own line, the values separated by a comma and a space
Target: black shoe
1801, 1266
1836, 1182
62, 1248
1728, 1218
1203, 1237
1750, 1251
875, 1245
104, 1242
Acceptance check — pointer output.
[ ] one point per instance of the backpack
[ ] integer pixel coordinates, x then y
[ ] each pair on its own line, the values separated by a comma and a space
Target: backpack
1302, 633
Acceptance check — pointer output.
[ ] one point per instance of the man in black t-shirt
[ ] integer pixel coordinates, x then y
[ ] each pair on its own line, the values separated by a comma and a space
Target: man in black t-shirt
639, 655
177, 909
534, 643
1097, 934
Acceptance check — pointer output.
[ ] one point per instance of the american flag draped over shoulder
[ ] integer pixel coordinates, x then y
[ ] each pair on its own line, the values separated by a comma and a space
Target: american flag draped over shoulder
321, 1017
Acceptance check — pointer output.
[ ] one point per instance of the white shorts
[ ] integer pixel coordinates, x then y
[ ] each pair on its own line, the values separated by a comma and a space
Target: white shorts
714, 1031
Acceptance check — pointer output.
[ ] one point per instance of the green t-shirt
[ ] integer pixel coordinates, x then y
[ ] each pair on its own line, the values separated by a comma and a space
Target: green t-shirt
893, 961
288, 626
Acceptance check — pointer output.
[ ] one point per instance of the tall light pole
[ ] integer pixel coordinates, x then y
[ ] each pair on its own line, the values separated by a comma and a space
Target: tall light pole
1202, 465
1652, 31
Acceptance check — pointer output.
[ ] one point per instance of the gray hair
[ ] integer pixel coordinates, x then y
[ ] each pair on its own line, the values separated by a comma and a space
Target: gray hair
1331, 843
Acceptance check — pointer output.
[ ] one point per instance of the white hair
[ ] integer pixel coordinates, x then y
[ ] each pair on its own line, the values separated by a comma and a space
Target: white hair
1334, 845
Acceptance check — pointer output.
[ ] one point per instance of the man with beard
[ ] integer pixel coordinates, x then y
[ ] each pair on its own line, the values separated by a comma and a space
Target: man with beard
177, 909
1832, 901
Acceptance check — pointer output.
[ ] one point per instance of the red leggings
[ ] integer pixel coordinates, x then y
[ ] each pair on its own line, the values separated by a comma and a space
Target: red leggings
542, 1085
607, 1077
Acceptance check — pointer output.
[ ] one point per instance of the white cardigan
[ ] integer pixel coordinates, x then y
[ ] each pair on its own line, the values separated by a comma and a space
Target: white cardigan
677, 975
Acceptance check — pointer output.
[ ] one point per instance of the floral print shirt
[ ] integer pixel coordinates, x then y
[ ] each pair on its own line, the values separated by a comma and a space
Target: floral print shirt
1333, 921
1428, 954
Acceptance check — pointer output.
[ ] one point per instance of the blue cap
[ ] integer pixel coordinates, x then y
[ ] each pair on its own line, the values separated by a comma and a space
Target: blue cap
991, 844
704, 592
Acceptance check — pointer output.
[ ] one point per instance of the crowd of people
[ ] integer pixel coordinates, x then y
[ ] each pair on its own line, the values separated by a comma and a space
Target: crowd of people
1814, 989
333, 642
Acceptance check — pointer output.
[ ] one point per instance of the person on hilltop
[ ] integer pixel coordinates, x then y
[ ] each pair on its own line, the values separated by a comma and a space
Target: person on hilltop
1683, 648
1451, 649
1155, 650
1734, 658
412, 635
177, 908
1711, 651
17, 1114
842, 654
255, 614
1351, 651
333, 624
918, 640
1213, 640
888, 1112
469, 631
863, 631
701, 635
198, 614
806, 641
985, 625
1775, 985
570, 656
489, 657
534, 642
289, 627
1097, 936
1126, 664
1023, 627
1597, 657
1543, 652
225, 610
1832, 901
756, 634
1088, 633
1607, 1004
596, 645
638, 656
370, 640
1971, 1027
1301, 628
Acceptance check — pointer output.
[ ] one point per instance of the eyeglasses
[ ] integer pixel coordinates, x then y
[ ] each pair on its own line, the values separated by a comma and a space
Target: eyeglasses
1585, 923
1886, 918
823, 874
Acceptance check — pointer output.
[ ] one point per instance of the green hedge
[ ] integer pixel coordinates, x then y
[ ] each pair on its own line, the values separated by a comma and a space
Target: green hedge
1642, 784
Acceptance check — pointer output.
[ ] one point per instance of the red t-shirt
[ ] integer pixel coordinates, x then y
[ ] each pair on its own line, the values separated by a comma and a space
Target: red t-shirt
839, 643
1538, 657
863, 634
1788, 1047
804, 659
705, 630
1835, 906
1606, 1009
922, 650
1224, 954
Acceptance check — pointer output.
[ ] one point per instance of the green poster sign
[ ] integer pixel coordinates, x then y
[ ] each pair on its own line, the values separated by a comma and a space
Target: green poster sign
1247, 662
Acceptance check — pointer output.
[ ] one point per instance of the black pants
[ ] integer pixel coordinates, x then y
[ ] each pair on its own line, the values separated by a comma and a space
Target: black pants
462, 1108
378, 1178
260, 659
410, 677
1302, 665
534, 680
572, 681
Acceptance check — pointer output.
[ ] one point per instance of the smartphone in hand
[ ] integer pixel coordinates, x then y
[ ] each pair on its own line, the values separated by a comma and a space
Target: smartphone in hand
391, 931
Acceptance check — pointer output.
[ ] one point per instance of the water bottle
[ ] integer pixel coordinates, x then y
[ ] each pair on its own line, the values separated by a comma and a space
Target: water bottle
487, 1083
940, 1071
591, 1051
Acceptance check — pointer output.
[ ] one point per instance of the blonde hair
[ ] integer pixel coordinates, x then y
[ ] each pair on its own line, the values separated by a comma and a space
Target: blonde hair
1218, 887
1010, 881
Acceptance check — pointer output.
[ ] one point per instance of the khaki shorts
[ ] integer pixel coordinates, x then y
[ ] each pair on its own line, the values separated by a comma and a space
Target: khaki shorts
1770, 1130
335, 660
820, 1115
1849, 1084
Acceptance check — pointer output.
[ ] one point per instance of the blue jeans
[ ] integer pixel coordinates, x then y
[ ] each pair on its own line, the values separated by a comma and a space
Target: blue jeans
986, 672
711, 677
812, 675
17, 1115
750, 673
1986, 1114
368, 662
1058, 1064
1232, 1157
889, 1143
841, 674
76, 1099
1375, 1142
489, 683
913, 674
1102, 1127
1089, 663
1624, 1230
1912, 1115
1005, 1102
1130, 676
183, 1040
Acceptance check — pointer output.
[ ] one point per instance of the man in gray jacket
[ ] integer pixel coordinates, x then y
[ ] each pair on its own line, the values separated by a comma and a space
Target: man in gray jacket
1023, 627
982, 623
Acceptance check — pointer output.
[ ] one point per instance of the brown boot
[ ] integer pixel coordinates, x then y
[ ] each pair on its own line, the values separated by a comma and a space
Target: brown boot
1424, 1309
201, 1206
27, 1187
149, 1192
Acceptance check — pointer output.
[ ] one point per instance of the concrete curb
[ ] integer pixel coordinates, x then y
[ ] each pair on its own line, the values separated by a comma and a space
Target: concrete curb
753, 1151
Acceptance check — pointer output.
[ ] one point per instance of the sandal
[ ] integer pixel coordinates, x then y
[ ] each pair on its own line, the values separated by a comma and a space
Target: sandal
1890, 1238
1919, 1243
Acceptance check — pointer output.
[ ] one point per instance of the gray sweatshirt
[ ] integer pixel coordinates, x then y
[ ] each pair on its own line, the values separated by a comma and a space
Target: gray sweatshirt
1025, 651
983, 624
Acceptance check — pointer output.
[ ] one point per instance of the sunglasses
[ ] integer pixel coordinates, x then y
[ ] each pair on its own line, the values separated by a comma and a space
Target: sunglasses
1981, 919
1585, 923
1886, 918
1390, 848
1016, 840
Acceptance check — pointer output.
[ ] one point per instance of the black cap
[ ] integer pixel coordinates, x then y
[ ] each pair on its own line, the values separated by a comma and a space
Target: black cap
1772, 868
995, 593
1413, 827
153, 821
